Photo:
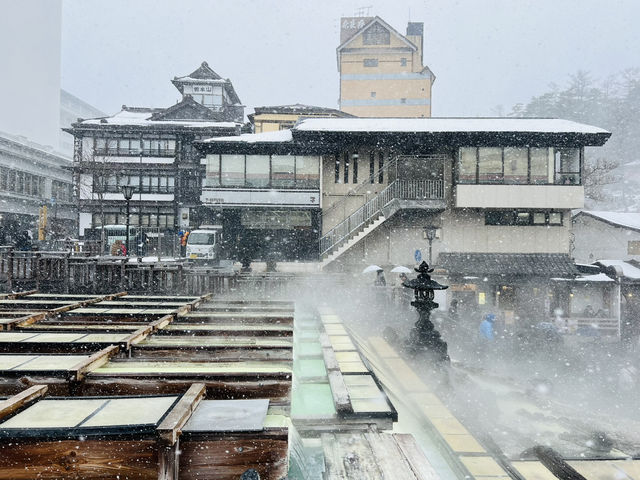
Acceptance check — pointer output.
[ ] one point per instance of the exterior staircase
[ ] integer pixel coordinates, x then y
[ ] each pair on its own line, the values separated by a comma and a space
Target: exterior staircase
397, 195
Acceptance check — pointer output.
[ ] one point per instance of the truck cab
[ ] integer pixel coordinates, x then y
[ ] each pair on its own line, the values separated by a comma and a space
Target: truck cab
204, 243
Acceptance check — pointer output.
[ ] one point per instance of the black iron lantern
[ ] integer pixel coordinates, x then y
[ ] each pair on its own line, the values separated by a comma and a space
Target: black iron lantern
424, 336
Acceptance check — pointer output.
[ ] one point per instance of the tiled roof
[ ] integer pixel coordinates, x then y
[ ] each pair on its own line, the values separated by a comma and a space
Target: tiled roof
536, 264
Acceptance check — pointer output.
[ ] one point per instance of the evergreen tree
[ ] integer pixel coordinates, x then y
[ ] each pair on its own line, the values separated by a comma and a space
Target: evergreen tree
612, 104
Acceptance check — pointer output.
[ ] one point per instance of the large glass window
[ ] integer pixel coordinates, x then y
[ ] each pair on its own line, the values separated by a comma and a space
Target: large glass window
307, 172
516, 165
467, 165
519, 165
567, 162
541, 167
283, 170
212, 173
232, 170
490, 165
257, 170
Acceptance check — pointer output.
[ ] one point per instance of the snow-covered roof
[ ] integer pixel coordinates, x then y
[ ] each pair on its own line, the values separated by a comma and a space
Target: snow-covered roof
445, 125
600, 277
268, 137
628, 270
141, 117
622, 219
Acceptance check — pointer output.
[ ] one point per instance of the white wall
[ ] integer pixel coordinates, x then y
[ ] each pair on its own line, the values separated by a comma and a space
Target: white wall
30, 35
396, 240
596, 240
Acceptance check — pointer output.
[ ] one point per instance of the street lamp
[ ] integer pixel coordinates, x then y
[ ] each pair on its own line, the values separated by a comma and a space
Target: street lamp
430, 234
127, 191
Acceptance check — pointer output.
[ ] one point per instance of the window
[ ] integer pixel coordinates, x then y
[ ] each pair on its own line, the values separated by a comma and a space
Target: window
101, 145
539, 218
490, 165
467, 159
380, 167
283, 167
307, 172
541, 167
567, 163
519, 165
522, 218
337, 170
373, 94
212, 171
346, 168
516, 165
555, 218
370, 62
403, 62
258, 171
376, 34
232, 170
633, 247
355, 167
372, 166
403, 100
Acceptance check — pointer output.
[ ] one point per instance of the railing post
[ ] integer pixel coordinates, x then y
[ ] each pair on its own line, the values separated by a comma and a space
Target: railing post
36, 262
10, 269
67, 272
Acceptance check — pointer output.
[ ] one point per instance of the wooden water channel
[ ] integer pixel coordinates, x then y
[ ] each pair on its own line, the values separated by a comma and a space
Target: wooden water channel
183, 387
99, 386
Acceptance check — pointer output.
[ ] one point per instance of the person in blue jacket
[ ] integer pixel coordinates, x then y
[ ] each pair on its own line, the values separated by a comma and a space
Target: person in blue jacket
486, 327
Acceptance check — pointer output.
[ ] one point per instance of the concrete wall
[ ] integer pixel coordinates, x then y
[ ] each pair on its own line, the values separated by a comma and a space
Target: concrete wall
397, 239
595, 240
343, 194
520, 196
30, 35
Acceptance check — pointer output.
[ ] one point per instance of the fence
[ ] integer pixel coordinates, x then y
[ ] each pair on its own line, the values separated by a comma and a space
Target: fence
64, 272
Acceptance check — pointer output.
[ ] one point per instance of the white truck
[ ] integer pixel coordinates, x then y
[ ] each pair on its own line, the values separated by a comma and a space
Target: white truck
204, 243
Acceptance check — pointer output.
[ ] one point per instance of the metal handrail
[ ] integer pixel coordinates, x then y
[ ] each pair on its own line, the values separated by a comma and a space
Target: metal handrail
398, 189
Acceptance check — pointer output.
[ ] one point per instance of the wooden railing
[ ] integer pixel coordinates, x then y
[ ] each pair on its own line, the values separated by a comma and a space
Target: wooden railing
61, 272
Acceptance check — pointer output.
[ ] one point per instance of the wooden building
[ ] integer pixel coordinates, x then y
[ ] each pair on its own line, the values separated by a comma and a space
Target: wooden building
152, 150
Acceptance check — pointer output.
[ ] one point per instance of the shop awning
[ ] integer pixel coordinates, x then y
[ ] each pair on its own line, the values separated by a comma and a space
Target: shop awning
533, 264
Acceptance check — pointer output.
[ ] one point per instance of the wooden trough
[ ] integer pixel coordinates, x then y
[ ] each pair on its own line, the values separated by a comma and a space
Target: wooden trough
151, 437
107, 352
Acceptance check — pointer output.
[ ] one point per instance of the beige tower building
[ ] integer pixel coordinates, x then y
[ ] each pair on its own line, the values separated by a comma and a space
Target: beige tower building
382, 73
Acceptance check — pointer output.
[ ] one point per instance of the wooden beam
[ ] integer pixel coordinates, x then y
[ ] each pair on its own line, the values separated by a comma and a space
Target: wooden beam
31, 319
341, 398
330, 360
16, 295
418, 462
170, 428
137, 336
162, 322
12, 404
94, 361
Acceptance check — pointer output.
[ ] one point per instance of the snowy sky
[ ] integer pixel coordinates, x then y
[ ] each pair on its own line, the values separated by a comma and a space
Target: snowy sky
485, 53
